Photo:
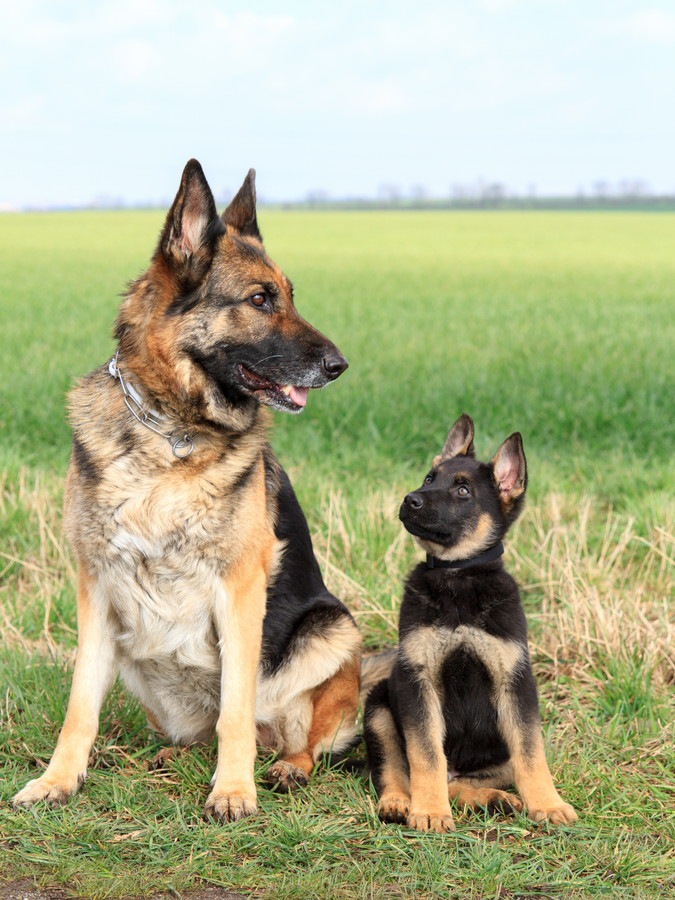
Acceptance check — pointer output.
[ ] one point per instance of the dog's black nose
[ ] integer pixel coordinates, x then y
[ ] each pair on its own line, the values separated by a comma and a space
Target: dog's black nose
414, 500
334, 364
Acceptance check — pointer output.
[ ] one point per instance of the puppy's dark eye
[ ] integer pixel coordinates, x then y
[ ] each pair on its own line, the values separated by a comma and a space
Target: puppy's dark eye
260, 301
428, 479
463, 491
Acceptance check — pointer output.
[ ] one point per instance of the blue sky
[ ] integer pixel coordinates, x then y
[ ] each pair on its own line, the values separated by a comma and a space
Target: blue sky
109, 99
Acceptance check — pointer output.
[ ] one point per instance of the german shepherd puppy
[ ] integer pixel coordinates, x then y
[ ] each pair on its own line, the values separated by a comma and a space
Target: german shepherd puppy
458, 717
197, 580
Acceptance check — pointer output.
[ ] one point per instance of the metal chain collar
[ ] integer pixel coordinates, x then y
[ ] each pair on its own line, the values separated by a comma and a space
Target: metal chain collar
181, 446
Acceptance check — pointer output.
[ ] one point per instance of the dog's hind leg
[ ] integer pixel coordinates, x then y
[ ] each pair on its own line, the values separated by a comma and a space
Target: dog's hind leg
95, 669
386, 757
332, 727
485, 790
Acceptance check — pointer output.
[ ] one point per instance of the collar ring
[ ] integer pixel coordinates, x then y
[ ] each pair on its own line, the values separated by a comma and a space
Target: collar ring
182, 447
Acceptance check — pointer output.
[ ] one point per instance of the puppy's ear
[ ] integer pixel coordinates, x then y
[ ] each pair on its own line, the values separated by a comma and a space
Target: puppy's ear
459, 441
509, 470
192, 225
241, 214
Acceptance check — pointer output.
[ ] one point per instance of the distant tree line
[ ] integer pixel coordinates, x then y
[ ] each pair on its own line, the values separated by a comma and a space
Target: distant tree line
625, 194
602, 194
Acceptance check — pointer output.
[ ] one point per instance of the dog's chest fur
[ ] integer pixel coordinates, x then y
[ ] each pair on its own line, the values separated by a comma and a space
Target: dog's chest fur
463, 641
161, 535
453, 621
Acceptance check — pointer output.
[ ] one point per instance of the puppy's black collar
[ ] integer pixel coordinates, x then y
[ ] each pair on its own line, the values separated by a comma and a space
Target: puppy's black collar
487, 556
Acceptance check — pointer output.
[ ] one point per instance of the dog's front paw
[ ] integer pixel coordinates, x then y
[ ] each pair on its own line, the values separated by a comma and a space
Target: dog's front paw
560, 814
230, 806
439, 822
283, 776
54, 792
394, 808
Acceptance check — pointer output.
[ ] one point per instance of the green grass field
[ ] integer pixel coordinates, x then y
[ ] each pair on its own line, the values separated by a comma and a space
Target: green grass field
559, 325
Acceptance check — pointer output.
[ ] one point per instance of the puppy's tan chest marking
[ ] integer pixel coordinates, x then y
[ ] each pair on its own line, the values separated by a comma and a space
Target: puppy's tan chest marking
428, 647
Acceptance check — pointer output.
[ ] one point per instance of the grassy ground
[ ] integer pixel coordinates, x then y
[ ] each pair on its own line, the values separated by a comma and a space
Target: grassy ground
557, 325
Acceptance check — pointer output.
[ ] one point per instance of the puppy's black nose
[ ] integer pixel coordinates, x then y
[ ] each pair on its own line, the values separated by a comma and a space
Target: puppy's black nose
334, 364
415, 501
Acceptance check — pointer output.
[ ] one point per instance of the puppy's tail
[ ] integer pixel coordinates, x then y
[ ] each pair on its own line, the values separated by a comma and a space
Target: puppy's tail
374, 668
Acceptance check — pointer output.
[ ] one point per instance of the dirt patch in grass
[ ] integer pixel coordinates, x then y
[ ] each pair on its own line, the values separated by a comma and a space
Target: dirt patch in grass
26, 889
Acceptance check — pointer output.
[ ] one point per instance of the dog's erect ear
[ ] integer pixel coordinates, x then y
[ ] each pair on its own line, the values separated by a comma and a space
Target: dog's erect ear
509, 469
459, 441
240, 214
192, 223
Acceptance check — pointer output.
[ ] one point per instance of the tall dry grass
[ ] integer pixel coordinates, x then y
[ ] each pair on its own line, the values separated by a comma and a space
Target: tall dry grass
35, 566
606, 591
595, 589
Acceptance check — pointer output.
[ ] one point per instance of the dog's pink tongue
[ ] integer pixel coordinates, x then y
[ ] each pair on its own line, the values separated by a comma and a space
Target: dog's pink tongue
299, 395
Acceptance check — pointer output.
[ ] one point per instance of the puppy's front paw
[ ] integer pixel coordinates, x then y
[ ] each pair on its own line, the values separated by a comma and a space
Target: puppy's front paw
394, 808
560, 814
230, 806
440, 822
282, 776
54, 792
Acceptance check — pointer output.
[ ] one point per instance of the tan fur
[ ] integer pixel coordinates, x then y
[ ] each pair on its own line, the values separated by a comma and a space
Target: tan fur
480, 538
335, 707
374, 668
94, 671
285, 702
533, 780
472, 796
394, 802
428, 648
429, 803
332, 709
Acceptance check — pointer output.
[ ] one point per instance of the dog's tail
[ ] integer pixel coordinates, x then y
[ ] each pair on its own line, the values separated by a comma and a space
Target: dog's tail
375, 668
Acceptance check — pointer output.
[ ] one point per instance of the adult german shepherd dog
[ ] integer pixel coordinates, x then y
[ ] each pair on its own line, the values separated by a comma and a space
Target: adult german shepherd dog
197, 580
458, 717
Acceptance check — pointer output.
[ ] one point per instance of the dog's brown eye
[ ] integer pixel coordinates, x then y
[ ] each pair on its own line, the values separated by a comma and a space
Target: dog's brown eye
463, 491
261, 300
428, 479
